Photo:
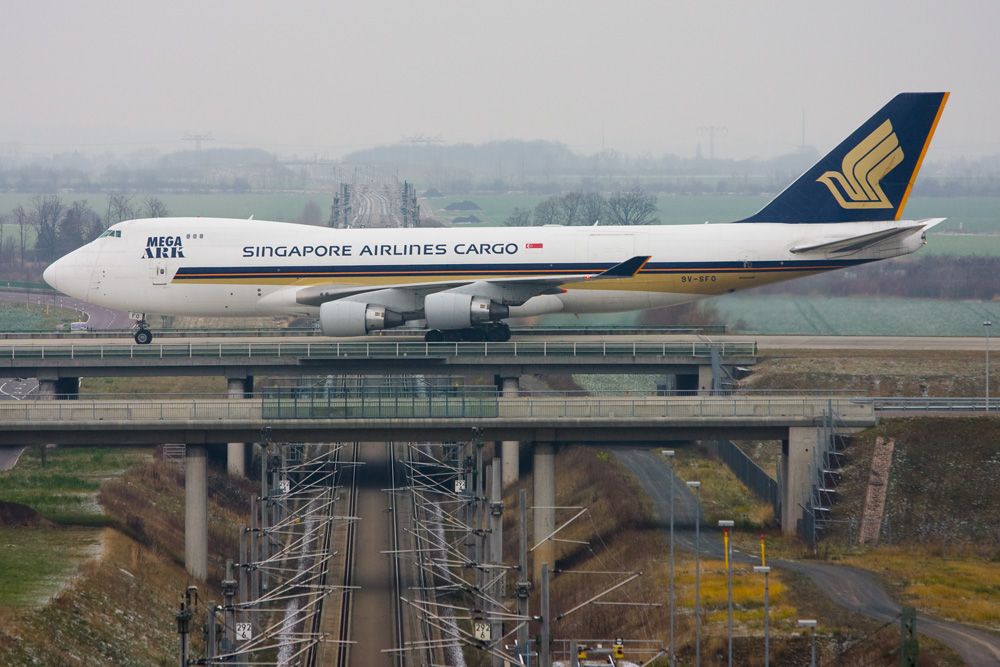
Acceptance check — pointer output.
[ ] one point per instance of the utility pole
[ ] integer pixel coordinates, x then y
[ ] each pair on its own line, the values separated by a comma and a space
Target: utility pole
669, 453
496, 543
523, 579
184, 616
545, 637
197, 138
696, 485
711, 130
909, 649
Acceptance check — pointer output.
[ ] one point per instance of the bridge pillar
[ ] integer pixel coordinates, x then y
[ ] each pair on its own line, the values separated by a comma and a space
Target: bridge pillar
510, 449
544, 501
236, 452
706, 379
196, 512
796, 456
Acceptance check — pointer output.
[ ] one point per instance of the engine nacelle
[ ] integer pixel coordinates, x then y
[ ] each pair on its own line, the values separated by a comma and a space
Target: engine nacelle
354, 318
454, 310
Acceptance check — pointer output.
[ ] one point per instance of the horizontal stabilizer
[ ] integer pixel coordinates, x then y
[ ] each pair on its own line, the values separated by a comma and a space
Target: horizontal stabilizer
863, 241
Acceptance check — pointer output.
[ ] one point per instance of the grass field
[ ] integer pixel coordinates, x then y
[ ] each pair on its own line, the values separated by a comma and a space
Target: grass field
36, 562
27, 317
64, 490
856, 315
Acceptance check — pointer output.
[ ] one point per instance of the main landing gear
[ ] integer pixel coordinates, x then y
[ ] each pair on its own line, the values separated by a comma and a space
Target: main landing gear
142, 335
493, 333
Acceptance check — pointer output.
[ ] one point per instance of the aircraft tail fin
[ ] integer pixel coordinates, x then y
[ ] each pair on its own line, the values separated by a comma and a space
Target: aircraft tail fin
870, 174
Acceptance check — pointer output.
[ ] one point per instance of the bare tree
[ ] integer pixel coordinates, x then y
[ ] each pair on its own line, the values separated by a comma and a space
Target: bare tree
79, 225
519, 217
20, 219
571, 205
153, 207
46, 213
119, 208
548, 212
632, 207
312, 214
5, 248
592, 208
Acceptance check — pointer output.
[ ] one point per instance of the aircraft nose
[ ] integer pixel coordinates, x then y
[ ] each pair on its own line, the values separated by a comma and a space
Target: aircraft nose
51, 275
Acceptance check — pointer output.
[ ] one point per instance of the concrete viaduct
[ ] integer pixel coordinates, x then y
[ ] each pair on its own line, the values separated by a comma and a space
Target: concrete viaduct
546, 423
58, 365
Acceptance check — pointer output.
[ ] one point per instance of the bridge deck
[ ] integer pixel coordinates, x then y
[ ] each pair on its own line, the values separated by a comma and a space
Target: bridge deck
552, 419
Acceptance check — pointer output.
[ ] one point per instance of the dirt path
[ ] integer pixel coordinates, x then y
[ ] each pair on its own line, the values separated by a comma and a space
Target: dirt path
848, 587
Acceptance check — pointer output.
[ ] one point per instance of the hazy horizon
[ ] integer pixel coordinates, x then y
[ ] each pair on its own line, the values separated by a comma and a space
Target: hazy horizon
326, 79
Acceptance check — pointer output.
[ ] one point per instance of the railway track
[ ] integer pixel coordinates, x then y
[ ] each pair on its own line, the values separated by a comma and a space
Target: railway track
369, 568
344, 648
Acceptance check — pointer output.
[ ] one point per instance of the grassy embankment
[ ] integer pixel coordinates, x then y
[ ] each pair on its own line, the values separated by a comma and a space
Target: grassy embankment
619, 533
94, 550
940, 548
78, 595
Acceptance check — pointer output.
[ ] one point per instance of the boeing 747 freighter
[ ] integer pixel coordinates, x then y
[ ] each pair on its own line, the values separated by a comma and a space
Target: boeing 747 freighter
462, 284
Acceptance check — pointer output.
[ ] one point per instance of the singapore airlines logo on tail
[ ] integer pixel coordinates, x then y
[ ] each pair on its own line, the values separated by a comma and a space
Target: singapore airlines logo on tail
863, 168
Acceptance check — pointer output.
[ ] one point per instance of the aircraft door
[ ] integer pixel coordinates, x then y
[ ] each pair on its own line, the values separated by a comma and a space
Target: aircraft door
161, 275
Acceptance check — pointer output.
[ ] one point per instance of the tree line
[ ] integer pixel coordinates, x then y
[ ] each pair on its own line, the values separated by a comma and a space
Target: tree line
624, 207
921, 277
49, 227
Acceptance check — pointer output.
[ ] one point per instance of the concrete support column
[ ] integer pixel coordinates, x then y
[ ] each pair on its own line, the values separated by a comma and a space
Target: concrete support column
196, 512
236, 456
47, 389
705, 380
510, 449
544, 500
797, 453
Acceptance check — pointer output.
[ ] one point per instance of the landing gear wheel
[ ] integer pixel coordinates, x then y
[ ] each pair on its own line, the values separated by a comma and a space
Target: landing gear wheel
434, 336
499, 333
474, 334
143, 336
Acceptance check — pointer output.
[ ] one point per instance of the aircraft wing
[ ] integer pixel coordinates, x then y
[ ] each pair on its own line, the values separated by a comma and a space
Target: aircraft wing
524, 287
855, 243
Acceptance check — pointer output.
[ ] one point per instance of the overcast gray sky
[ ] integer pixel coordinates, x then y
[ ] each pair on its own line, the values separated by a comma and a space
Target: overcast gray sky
634, 76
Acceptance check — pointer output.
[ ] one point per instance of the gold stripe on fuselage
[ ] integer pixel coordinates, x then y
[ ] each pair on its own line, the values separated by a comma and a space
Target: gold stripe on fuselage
694, 282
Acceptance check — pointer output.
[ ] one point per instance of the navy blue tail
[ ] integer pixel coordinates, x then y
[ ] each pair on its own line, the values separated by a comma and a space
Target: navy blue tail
870, 174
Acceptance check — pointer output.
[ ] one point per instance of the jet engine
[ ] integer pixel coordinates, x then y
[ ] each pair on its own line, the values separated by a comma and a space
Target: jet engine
355, 318
454, 310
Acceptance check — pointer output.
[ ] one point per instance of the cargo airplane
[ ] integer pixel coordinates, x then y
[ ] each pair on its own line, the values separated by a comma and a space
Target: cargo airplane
462, 284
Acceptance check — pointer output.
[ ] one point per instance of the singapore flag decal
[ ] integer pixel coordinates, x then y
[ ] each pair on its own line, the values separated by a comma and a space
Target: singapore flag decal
533, 246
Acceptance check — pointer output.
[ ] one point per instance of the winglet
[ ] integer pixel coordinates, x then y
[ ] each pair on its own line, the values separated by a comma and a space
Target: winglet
626, 269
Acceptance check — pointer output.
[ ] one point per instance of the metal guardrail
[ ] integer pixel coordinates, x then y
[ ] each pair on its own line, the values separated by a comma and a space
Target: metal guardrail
401, 407
376, 350
927, 404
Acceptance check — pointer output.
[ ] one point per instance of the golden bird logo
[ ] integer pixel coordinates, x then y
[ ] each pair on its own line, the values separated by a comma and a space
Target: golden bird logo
863, 168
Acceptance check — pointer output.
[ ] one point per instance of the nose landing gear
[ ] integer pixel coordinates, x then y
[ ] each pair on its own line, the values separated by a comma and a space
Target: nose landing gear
142, 334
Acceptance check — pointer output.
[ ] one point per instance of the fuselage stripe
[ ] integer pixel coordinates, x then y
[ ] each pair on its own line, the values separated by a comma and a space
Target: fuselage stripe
205, 273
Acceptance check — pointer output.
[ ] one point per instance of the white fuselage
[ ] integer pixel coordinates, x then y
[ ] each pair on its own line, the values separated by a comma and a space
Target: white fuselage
204, 266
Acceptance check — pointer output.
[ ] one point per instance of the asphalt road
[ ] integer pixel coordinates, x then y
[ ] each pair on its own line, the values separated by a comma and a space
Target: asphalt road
848, 587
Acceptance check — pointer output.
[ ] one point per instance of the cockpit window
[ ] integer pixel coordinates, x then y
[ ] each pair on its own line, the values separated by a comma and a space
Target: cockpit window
116, 233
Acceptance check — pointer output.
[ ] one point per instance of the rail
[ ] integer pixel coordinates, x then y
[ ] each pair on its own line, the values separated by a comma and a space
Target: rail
375, 350
401, 407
